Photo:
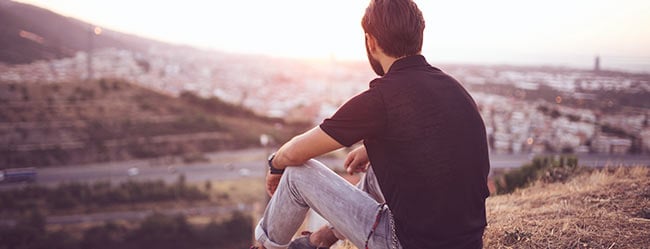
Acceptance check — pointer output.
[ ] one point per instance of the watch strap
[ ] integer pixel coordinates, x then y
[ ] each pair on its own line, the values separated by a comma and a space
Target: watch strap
273, 170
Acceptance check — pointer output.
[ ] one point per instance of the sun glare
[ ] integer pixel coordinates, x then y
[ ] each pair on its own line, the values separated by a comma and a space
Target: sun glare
463, 30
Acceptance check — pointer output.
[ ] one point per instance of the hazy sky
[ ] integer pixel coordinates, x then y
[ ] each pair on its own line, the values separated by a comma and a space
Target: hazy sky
474, 31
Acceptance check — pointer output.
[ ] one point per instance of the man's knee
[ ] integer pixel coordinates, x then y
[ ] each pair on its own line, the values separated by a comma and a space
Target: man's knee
306, 167
306, 173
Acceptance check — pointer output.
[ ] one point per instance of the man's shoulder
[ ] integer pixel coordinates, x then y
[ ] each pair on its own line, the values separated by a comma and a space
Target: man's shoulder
418, 77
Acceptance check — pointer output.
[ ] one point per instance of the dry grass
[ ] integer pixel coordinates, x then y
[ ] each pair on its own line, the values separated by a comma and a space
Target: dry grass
602, 209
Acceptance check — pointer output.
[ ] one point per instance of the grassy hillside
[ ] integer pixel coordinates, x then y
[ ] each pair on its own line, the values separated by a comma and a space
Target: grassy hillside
606, 209
108, 120
599, 209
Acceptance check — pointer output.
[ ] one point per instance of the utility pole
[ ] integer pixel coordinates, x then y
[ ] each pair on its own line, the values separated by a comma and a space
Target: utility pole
92, 32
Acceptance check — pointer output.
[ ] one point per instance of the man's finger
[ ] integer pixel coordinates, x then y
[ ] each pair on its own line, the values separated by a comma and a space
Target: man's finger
348, 161
352, 166
271, 190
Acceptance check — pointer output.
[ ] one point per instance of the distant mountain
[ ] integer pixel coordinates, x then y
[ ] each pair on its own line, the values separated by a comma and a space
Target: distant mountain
29, 33
114, 120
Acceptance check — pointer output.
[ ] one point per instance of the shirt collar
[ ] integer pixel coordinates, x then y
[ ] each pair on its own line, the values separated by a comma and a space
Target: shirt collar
407, 62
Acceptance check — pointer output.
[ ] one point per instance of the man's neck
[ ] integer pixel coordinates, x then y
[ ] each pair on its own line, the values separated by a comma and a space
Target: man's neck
387, 61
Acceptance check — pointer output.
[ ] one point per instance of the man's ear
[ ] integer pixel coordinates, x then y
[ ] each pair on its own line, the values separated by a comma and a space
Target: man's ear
371, 42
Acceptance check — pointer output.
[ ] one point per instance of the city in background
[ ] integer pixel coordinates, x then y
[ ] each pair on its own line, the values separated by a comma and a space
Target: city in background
132, 136
526, 109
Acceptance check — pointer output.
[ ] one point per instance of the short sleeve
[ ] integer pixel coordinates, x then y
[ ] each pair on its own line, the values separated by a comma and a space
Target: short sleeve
361, 117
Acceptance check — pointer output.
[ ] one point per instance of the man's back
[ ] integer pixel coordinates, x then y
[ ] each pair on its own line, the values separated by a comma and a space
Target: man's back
434, 160
427, 145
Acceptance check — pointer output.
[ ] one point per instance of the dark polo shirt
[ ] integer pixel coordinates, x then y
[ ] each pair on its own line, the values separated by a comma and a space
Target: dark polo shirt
427, 145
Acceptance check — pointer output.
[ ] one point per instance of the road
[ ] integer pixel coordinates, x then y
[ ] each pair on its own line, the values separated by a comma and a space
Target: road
248, 163
225, 166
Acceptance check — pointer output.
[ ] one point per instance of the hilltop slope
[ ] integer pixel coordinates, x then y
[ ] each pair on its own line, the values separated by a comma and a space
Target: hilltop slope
109, 120
29, 33
606, 209
601, 209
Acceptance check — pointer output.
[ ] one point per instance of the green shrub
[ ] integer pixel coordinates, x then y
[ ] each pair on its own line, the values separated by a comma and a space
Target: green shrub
161, 232
108, 236
100, 194
156, 231
546, 169
29, 232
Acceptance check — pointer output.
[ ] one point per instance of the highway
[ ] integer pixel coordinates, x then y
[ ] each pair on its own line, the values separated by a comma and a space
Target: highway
248, 163
223, 166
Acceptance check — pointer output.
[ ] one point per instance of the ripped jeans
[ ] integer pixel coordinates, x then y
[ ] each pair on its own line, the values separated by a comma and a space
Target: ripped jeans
351, 210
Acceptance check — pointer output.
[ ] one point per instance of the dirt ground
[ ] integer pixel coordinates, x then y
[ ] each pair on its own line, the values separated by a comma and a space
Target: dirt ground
607, 208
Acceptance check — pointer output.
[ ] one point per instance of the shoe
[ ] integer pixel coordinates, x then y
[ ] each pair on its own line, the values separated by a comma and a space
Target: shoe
303, 243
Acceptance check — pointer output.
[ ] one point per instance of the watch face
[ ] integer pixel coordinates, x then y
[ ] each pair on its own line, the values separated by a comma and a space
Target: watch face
271, 157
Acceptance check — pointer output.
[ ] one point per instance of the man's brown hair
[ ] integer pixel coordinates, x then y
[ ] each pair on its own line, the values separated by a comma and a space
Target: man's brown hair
398, 26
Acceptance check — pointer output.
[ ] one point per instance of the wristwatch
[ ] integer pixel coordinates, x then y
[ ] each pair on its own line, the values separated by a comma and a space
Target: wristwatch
274, 171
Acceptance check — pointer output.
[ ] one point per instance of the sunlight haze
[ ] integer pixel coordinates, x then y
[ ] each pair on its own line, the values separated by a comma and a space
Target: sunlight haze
465, 31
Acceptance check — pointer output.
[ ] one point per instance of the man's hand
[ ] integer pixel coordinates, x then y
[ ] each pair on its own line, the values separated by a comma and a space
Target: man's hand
272, 182
357, 161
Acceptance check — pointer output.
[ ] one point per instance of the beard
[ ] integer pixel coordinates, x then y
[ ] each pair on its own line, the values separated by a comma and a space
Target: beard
374, 63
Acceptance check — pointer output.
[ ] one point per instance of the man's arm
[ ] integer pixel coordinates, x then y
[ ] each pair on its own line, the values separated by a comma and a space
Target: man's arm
303, 147
297, 151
